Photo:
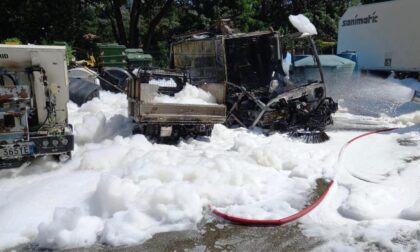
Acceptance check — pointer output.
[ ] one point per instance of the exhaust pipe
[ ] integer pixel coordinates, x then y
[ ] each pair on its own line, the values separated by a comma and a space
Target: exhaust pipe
416, 97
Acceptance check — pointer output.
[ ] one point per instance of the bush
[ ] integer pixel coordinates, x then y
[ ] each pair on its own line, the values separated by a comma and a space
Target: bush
12, 41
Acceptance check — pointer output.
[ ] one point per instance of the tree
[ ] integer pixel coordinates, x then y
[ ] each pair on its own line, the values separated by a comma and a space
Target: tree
152, 23
118, 10
372, 1
155, 21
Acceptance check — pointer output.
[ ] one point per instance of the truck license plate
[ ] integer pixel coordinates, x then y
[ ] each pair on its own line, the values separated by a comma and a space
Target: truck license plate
14, 151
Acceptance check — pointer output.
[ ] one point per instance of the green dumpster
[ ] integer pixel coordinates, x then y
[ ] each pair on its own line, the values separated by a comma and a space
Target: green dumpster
111, 55
111, 49
137, 58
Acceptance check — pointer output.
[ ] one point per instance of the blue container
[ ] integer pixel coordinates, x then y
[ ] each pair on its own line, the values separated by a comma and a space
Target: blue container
351, 55
301, 56
336, 69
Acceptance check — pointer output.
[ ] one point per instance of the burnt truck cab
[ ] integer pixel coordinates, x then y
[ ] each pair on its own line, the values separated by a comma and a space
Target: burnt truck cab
264, 88
33, 104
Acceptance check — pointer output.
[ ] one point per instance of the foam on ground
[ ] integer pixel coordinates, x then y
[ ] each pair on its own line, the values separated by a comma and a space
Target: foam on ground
120, 189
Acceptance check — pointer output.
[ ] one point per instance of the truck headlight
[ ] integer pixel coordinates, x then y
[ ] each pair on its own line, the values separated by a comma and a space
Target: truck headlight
274, 84
45, 143
64, 141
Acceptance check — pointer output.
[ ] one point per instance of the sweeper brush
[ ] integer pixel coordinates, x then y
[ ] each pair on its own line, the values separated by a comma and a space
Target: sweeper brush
310, 136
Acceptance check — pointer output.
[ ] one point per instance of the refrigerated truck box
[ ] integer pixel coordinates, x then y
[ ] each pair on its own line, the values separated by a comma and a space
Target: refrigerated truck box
385, 36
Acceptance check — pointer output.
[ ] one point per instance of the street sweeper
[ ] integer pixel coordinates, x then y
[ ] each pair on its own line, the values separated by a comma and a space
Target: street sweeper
251, 76
265, 89
34, 92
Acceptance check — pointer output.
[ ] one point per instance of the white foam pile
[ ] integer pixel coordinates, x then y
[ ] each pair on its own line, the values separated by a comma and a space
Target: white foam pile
163, 82
100, 119
303, 24
120, 189
188, 95
370, 102
379, 211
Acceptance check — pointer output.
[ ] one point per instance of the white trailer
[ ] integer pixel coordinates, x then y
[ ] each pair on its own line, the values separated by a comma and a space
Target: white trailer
385, 36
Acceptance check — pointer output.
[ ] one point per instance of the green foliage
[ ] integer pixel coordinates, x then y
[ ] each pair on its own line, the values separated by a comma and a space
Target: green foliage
12, 41
326, 47
372, 1
44, 21
69, 50
69, 54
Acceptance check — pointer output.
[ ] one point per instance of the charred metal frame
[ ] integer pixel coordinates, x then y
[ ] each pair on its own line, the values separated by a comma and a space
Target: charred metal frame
292, 94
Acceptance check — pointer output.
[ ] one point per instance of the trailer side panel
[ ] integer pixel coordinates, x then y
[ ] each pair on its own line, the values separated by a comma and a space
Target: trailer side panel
384, 35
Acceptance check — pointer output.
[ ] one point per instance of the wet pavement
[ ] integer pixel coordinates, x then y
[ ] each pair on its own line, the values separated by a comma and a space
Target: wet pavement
215, 236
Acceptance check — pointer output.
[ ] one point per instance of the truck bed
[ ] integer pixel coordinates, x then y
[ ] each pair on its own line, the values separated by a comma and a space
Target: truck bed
178, 113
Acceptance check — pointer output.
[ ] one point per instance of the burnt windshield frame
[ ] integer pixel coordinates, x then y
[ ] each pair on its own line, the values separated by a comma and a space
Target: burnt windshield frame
251, 58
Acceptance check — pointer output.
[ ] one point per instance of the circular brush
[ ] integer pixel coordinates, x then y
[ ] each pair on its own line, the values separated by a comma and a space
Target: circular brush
310, 136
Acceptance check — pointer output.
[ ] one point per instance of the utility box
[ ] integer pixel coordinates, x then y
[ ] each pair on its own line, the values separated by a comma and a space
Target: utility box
137, 58
384, 35
112, 55
34, 92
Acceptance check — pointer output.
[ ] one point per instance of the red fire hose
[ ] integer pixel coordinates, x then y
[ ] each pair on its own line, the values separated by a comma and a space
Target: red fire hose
357, 138
255, 222
244, 221
369, 133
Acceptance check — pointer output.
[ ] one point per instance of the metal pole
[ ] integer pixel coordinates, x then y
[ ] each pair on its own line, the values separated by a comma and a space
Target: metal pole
318, 61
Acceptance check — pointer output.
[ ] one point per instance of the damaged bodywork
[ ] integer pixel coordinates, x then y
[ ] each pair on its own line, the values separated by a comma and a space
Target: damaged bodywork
264, 88
33, 104
171, 121
252, 76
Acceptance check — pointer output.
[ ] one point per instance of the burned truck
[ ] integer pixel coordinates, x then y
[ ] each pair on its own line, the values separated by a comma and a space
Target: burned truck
165, 121
33, 104
170, 119
264, 87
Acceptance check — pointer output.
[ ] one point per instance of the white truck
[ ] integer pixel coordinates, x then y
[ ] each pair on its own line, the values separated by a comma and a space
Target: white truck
385, 36
34, 92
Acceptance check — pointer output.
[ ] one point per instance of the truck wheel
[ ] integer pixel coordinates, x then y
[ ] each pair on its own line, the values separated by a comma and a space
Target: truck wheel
136, 130
209, 130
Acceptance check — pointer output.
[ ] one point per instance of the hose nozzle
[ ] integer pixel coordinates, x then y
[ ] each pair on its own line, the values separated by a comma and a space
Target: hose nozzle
416, 97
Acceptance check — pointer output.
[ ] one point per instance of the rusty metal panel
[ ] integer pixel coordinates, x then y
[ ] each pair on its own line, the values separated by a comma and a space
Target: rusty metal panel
184, 109
172, 113
218, 90
185, 53
12, 93
182, 119
203, 59
14, 104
